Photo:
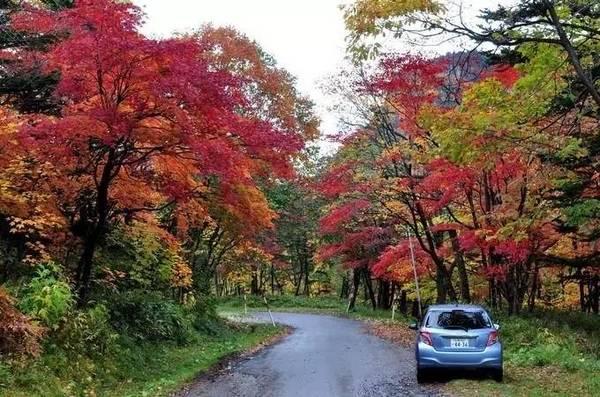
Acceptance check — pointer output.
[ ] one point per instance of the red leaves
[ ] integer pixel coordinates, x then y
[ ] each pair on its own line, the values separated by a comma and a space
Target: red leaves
358, 248
160, 125
414, 180
86, 16
444, 183
410, 83
505, 74
396, 262
145, 99
515, 251
410, 77
337, 181
336, 218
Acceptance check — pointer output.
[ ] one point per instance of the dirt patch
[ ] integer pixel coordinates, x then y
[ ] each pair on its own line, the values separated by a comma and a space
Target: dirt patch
398, 334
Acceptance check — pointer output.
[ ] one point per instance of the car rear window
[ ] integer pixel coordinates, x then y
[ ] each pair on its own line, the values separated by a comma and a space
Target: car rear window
457, 319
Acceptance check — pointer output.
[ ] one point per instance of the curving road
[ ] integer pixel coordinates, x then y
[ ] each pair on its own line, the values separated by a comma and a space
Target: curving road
324, 356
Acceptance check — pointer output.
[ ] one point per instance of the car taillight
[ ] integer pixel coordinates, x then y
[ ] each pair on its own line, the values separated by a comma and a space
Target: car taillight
426, 338
492, 338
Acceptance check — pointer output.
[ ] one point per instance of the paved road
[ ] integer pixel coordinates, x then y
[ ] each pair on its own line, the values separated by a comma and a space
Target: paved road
324, 356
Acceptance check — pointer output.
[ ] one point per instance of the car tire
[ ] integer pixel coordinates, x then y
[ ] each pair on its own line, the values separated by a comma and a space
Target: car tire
422, 375
498, 374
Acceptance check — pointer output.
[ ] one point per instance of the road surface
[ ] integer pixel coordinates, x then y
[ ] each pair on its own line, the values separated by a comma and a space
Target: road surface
324, 356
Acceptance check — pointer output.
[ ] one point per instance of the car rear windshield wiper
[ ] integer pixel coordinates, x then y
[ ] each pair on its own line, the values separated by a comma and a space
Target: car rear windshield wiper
456, 327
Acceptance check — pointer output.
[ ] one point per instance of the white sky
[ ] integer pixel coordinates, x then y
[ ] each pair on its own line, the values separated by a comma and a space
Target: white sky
306, 37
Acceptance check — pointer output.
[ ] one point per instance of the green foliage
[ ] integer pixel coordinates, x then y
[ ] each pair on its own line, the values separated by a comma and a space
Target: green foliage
205, 306
299, 210
88, 331
542, 77
204, 315
583, 212
141, 255
150, 317
6, 374
134, 369
573, 149
46, 297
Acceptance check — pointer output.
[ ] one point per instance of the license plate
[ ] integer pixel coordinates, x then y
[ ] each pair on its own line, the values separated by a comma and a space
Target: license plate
459, 343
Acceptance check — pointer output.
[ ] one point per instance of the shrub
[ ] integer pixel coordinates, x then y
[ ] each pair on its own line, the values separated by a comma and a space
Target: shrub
18, 334
88, 331
205, 306
204, 315
151, 317
47, 298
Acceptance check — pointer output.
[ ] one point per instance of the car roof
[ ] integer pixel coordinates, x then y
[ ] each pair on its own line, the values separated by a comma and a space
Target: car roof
456, 306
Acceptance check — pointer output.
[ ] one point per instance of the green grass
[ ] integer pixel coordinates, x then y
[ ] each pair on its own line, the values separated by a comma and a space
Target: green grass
294, 303
138, 369
547, 353
550, 353
290, 303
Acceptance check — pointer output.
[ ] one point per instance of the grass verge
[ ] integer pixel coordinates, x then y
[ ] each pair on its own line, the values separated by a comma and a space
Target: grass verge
138, 369
546, 353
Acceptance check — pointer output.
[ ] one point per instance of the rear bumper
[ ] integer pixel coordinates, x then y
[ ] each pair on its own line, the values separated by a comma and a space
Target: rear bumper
428, 357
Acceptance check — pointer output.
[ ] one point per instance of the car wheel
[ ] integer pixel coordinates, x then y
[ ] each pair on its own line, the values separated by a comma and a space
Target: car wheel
498, 375
422, 375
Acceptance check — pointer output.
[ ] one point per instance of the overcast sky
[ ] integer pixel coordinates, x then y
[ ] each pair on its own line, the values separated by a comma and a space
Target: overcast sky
306, 37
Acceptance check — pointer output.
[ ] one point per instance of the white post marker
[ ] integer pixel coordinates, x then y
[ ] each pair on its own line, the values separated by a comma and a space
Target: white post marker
394, 304
269, 310
412, 258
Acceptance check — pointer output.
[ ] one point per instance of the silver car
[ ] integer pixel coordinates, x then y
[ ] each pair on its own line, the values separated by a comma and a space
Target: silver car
457, 336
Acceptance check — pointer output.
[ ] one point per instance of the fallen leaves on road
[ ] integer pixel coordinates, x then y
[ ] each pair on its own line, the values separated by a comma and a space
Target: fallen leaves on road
396, 333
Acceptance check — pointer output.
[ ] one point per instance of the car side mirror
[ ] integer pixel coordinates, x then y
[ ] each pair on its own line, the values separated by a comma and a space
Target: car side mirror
497, 326
413, 326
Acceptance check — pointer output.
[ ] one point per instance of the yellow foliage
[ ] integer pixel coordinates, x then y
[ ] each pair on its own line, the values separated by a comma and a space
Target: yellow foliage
181, 275
364, 16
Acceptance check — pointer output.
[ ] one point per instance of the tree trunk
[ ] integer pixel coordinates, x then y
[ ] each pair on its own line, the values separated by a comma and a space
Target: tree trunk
581, 291
383, 294
534, 290
572, 53
91, 239
594, 293
217, 289
369, 285
459, 261
443, 285
354, 289
84, 270
300, 276
415, 309
306, 276
492, 294
254, 287
403, 303
272, 280
345, 287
